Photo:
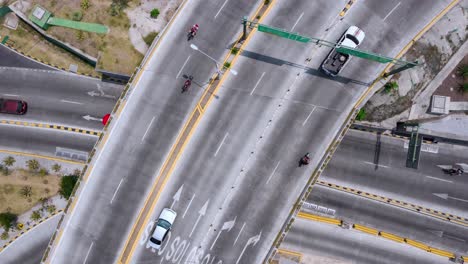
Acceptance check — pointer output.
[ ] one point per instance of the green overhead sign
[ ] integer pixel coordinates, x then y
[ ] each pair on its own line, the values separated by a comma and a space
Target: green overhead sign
283, 33
364, 54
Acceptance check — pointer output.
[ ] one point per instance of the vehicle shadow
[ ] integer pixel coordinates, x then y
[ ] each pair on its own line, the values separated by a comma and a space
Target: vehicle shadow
308, 70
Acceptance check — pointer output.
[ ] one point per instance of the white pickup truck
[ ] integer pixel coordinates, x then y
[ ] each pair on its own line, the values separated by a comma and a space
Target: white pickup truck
335, 61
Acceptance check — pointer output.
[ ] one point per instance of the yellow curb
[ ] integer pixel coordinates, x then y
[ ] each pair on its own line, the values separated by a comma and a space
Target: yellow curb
366, 229
290, 253
318, 218
442, 253
40, 156
393, 237
417, 244
50, 126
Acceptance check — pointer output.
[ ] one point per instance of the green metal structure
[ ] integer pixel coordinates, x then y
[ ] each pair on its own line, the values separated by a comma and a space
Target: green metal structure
44, 19
342, 49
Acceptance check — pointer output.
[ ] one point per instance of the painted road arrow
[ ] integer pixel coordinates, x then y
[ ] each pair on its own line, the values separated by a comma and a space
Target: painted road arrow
201, 213
226, 226
88, 117
253, 240
176, 196
445, 196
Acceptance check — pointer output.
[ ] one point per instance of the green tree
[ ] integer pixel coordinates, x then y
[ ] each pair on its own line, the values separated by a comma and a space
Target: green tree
36, 215
43, 172
391, 86
7, 220
154, 13
77, 16
84, 4
26, 191
9, 161
463, 71
67, 184
464, 87
33, 165
56, 167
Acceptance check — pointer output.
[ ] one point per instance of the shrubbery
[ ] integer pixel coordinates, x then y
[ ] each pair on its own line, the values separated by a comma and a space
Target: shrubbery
67, 184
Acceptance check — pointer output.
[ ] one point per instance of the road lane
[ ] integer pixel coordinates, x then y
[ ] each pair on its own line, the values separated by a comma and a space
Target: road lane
354, 165
265, 127
43, 141
60, 98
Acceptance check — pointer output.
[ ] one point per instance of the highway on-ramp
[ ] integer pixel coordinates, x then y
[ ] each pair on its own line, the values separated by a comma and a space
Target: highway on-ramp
237, 178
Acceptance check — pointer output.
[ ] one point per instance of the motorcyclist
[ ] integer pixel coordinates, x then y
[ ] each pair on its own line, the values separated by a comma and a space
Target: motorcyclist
306, 159
194, 29
187, 84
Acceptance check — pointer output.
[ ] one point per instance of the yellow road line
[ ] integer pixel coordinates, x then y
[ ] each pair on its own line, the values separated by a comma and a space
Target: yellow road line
193, 120
386, 235
290, 253
40, 156
412, 207
51, 126
366, 229
391, 236
319, 218
443, 253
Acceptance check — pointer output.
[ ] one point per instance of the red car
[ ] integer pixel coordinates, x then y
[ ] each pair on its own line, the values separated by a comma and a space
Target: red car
10, 106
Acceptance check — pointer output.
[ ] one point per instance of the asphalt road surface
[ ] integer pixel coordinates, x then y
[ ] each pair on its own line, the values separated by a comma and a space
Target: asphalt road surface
376, 164
44, 141
29, 247
359, 210
238, 176
333, 244
56, 97
13, 59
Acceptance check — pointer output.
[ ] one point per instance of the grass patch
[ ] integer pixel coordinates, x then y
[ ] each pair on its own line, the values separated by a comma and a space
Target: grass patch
227, 65
17, 198
150, 37
361, 114
67, 184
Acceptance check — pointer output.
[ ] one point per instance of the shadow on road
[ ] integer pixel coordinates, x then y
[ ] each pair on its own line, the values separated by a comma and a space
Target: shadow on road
308, 70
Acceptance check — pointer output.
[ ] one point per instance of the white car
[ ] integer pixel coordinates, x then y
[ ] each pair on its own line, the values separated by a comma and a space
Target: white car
163, 225
335, 61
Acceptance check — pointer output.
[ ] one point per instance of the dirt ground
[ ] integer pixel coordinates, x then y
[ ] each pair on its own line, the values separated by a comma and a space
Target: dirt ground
11, 185
450, 86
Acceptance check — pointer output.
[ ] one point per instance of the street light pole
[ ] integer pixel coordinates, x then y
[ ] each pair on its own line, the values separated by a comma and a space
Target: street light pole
218, 68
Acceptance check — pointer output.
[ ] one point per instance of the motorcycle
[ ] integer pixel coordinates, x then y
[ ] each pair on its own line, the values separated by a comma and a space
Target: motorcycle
305, 160
187, 84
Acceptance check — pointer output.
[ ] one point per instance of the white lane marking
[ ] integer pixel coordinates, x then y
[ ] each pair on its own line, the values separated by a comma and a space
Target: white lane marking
183, 66
87, 254
392, 11
201, 213
221, 8
188, 206
439, 179
147, 129
271, 175
259, 80
238, 235
297, 21
70, 102
116, 190
371, 163
10, 94
305, 121
219, 147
